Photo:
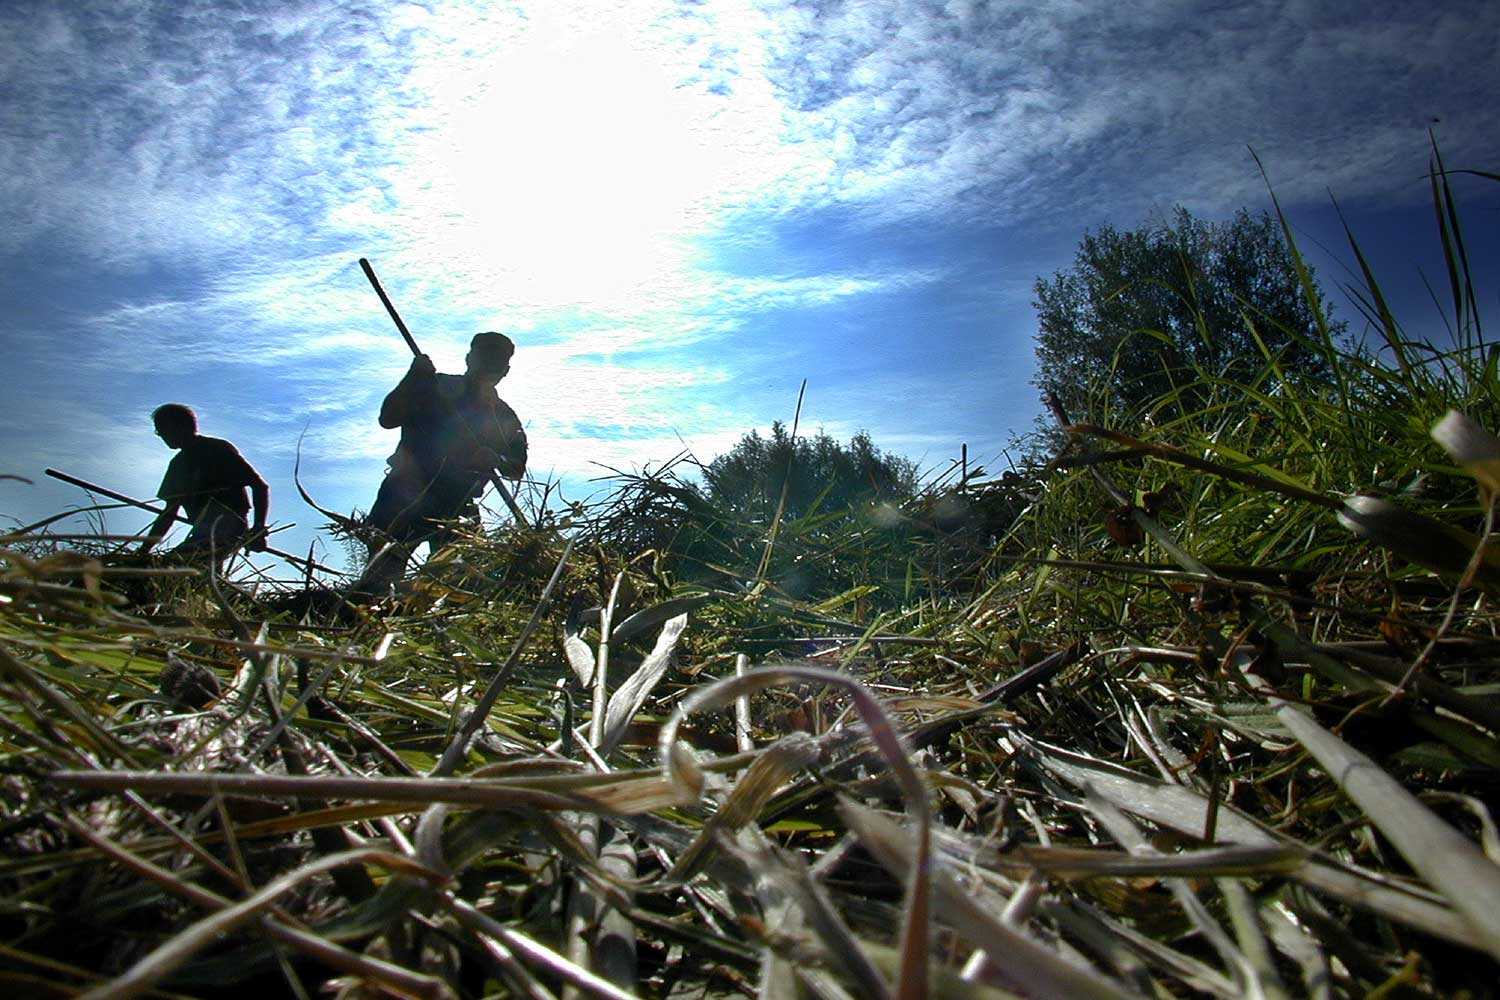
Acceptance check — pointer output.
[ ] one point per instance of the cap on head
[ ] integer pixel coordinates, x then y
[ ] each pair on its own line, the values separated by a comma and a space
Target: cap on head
490, 352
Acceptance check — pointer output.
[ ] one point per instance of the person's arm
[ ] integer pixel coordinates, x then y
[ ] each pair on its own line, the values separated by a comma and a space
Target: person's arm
170, 492
509, 443
260, 500
160, 526
397, 407
236, 469
513, 463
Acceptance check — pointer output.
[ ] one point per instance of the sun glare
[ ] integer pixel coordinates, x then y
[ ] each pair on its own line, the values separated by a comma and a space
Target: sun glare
569, 162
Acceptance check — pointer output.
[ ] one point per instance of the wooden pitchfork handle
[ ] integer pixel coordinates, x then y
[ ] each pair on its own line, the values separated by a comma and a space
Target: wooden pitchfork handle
143, 505
494, 477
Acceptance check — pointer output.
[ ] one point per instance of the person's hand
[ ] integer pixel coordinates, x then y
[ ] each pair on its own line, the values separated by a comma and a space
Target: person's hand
500, 462
256, 540
422, 367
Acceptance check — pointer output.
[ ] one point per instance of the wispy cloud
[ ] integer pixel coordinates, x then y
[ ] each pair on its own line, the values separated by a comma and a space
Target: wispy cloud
509, 148
1007, 108
165, 131
678, 209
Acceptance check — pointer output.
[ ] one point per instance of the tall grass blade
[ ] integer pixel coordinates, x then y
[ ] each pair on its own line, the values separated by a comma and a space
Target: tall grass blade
631, 695
1455, 254
786, 485
1447, 860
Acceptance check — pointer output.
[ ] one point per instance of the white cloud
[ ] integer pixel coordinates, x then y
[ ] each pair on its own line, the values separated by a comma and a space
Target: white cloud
565, 172
1010, 108
565, 154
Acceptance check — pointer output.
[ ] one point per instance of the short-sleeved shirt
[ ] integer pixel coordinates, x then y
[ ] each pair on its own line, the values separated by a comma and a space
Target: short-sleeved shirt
208, 470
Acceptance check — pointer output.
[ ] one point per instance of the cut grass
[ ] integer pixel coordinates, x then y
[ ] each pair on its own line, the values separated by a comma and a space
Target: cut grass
1158, 739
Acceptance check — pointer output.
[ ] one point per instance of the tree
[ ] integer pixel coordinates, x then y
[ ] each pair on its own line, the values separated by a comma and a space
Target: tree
1151, 310
830, 537
748, 479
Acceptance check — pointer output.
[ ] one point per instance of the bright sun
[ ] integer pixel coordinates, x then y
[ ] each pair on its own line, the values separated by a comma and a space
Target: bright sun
571, 163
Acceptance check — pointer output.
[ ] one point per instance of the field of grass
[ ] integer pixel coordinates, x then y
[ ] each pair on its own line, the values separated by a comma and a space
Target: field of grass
1206, 705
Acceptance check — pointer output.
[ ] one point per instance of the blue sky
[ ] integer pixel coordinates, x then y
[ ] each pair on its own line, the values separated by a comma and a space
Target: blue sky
678, 210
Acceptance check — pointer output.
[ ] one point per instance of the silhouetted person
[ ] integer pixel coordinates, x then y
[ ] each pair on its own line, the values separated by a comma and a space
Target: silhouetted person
206, 479
456, 432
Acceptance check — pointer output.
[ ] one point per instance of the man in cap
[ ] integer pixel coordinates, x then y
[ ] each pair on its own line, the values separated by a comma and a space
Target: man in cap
456, 432
206, 479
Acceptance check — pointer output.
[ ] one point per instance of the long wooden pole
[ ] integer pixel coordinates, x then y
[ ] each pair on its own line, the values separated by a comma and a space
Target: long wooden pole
416, 351
385, 300
143, 505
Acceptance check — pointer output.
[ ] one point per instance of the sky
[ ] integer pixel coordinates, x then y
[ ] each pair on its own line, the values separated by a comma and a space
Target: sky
678, 210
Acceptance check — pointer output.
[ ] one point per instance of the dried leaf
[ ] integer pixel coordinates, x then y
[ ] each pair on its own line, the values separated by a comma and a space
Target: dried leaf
580, 656
1471, 446
1438, 852
1417, 538
630, 696
655, 615
762, 779
1024, 960
1183, 809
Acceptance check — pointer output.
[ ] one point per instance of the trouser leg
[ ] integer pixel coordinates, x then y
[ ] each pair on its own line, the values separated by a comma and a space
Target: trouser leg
399, 519
215, 537
384, 570
444, 534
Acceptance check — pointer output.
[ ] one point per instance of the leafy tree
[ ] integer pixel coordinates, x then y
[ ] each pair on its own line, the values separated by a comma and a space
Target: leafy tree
1151, 310
830, 536
857, 526
825, 475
